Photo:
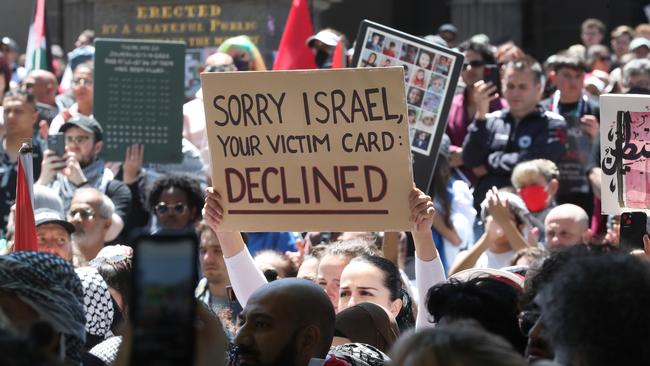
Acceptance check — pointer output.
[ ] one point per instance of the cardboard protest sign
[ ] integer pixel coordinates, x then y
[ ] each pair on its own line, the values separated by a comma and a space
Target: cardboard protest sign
138, 97
625, 153
430, 74
321, 150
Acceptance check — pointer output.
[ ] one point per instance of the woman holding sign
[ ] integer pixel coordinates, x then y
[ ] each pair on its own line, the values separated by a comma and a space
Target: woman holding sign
246, 277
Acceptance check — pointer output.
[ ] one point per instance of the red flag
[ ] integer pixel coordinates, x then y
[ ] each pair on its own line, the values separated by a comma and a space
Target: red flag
293, 53
339, 56
25, 236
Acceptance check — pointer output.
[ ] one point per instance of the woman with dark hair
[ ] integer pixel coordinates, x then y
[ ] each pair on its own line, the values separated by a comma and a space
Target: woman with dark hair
463, 107
176, 202
458, 344
377, 280
491, 301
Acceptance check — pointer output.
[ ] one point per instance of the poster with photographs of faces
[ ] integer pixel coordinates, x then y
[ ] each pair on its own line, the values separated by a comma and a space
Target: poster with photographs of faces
431, 73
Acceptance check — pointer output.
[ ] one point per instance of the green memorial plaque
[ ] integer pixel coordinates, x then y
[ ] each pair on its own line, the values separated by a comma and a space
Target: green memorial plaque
139, 97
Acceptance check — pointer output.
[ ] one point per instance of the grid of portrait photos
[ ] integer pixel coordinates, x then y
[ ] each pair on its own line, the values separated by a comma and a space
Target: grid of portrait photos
426, 76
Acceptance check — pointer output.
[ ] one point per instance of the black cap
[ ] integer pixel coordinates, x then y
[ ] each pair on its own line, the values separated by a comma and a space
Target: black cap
87, 124
49, 216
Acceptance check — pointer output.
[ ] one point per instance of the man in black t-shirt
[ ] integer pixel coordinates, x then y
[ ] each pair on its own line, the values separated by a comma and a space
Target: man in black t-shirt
581, 115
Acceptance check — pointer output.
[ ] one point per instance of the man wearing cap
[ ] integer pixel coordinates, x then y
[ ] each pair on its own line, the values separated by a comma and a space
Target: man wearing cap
53, 233
323, 44
10, 49
80, 165
20, 115
640, 46
448, 32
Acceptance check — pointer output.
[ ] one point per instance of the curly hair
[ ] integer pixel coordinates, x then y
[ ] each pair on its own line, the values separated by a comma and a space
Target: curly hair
183, 182
596, 310
490, 301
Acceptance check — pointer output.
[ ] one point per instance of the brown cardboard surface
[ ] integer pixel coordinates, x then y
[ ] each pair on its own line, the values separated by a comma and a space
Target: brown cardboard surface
345, 169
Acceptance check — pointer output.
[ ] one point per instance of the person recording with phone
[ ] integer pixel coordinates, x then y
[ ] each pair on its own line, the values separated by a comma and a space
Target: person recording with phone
497, 142
464, 105
81, 166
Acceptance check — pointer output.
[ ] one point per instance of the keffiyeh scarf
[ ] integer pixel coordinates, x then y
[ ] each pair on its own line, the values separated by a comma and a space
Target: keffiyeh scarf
50, 286
98, 303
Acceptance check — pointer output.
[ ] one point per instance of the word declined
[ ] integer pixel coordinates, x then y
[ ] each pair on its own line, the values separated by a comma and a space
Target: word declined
270, 185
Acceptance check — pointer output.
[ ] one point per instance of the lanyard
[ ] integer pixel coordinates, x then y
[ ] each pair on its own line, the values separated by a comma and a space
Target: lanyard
579, 111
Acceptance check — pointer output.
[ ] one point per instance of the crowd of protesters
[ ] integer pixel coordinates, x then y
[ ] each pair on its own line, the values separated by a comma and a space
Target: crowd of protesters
508, 261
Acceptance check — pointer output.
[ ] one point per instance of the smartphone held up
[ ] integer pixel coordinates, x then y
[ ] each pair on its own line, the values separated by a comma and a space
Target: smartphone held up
163, 315
634, 225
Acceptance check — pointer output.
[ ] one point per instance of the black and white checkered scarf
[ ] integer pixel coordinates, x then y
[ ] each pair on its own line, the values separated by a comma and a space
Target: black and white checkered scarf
98, 303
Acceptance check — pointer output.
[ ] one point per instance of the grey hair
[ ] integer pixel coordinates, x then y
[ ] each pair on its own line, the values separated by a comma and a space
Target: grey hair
634, 68
106, 208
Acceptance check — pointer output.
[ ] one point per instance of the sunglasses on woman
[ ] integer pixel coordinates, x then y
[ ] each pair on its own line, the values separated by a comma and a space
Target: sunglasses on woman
162, 208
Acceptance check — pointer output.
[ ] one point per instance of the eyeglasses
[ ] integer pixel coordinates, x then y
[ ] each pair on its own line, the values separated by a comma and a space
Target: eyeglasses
82, 82
162, 208
474, 64
77, 140
85, 214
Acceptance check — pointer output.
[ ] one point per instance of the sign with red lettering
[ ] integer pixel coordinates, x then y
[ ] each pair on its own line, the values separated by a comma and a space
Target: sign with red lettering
318, 150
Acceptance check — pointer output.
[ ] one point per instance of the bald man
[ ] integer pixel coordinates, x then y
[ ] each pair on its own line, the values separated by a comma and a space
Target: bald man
288, 322
43, 85
566, 225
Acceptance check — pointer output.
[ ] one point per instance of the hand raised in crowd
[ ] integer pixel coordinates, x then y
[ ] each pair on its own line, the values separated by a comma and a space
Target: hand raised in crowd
456, 157
589, 125
483, 94
422, 211
212, 210
43, 129
133, 160
73, 169
52, 164
66, 114
498, 208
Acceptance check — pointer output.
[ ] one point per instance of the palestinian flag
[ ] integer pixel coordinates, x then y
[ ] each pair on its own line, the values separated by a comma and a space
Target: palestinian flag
38, 56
